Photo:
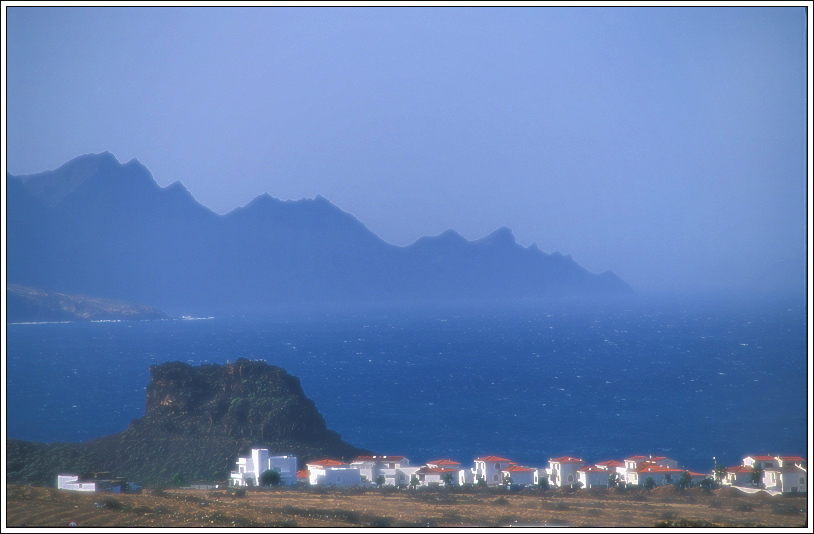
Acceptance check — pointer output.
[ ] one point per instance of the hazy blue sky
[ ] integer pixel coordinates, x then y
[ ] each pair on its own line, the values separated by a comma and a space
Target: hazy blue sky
665, 144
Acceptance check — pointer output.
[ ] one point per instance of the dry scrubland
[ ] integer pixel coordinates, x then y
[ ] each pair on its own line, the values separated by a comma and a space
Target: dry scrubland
726, 507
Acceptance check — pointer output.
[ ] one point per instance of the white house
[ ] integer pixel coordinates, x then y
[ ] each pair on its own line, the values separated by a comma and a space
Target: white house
627, 473
434, 476
593, 476
562, 471
71, 482
661, 475
250, 468
739, 475
763, 460
786, 479
399, 477
522, 476
329, 472
489, 468
371, 467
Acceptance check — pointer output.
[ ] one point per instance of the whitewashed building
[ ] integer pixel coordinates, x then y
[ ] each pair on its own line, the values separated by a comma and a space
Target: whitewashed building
562, 471
592, 476
519, 475
627, 474
787, 479
490, 469
250, 468
394, 469
71, 482
329, 472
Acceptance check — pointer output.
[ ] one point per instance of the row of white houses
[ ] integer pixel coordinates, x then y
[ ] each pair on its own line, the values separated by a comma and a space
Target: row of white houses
780, 474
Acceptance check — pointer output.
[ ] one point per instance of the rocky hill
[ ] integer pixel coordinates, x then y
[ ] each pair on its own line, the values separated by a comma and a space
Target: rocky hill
24, 304
197, 421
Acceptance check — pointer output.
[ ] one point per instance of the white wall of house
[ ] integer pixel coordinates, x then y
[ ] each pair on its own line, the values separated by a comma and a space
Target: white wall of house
490, 470
594, 479
71, 482
466, 477
335, 476
563, 473
786, 480
259, 461
524, 478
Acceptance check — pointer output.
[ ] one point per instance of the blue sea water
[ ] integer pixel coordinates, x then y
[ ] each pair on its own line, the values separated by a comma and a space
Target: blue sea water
686, 380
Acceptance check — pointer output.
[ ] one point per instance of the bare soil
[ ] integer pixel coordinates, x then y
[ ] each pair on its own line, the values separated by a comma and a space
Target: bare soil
315, 508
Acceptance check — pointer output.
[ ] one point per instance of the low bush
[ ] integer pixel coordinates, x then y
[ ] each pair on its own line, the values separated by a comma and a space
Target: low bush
111, 503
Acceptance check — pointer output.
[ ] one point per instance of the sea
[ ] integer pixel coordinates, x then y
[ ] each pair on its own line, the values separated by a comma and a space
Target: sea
703, 382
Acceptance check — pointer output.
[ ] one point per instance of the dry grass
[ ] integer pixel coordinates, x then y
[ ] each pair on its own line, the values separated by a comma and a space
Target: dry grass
41, 507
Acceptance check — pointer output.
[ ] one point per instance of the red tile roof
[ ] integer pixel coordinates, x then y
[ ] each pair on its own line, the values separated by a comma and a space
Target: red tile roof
385, 457
592, 469
326, 462
435, 470
305, 473
566, 460
637, 457
611, 463
443, 462
761, 457
647, 467
491, 459
739, 469
518, 469
792, 459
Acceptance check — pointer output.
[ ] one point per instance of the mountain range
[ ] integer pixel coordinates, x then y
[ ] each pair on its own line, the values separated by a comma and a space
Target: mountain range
97, 227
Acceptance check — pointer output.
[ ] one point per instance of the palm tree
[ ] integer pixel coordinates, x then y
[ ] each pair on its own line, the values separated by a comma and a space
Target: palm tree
380, 480
684, 480
448, 479
413, 481
649, 483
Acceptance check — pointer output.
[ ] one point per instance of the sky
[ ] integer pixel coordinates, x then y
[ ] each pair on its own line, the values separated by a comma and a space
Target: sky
667, 144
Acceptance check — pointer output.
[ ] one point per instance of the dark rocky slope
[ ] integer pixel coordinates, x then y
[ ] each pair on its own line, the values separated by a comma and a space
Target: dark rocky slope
197, 421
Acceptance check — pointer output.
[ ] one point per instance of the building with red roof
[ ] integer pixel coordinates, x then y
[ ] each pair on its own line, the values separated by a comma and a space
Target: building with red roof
489, 468
562, 471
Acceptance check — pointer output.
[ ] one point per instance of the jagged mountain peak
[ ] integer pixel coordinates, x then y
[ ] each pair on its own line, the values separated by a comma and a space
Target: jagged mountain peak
501, 237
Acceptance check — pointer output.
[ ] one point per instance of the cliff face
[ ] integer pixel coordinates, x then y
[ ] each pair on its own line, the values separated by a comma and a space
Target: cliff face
197, 421
245, 399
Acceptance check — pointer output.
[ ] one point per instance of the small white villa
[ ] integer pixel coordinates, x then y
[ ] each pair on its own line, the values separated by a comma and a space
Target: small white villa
71, 482
329, 472
562, 471
781, 474
490, 468
250, 468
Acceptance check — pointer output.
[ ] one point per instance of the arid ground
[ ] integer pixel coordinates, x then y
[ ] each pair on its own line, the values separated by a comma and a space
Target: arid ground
726, 507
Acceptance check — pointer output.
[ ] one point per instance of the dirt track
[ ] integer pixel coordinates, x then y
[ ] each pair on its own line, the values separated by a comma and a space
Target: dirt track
31, 506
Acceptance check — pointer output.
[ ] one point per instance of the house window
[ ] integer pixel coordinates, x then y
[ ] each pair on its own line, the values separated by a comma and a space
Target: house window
495, 478
769, 464
802, 481
338, 478
570, 478
497, 465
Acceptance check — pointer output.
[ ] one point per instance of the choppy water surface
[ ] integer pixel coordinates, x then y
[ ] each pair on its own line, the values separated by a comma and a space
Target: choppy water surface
689, 381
